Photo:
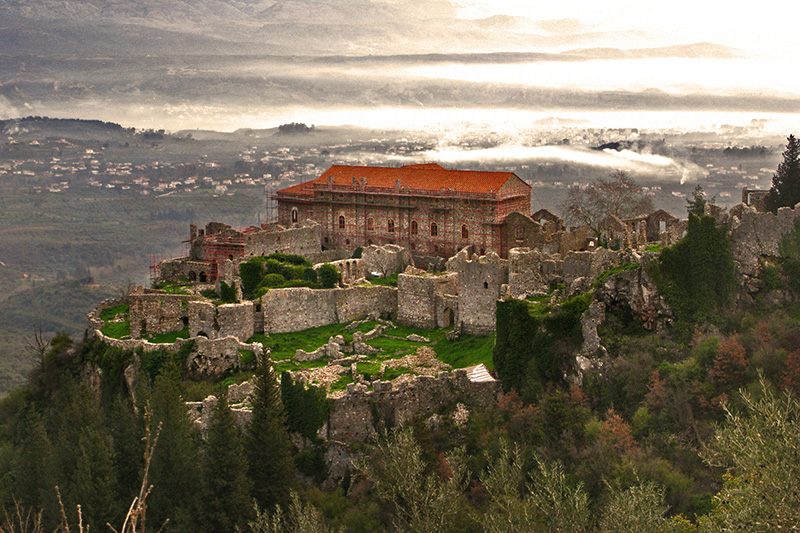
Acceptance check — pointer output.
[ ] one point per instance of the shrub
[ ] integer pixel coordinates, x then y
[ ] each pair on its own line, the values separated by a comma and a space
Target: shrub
329, 276
272, 281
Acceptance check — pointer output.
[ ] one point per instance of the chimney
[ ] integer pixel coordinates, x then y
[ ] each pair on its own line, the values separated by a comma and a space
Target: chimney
363, 183
355, 182
398, 184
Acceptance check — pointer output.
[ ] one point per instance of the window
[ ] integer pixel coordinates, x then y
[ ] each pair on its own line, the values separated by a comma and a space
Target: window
390, 226
464, 231
414, 228
370, 224
519, 233
294, 215
434, 230
341, 221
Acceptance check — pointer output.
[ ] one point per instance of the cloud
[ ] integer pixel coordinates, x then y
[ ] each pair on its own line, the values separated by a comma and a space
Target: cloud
7, 110
651, 165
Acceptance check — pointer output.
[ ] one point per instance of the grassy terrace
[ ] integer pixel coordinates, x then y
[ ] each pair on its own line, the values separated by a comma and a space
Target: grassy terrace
460, 353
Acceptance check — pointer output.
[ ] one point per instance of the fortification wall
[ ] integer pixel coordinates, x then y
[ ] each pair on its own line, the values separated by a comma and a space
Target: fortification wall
386, 260
352, 270
296, 309
361, 415
419, 298
206, 319
480, 279
156, 313
758, 235
304, 238
182, 269
532, 272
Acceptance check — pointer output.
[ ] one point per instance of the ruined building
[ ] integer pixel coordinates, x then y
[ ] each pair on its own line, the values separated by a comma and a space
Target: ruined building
426, 208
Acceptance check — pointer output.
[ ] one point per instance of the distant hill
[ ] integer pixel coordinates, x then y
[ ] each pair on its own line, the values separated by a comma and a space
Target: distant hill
318, 27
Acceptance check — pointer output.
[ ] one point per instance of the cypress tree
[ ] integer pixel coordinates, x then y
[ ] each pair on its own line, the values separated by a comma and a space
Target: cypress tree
173, 470
226, 487
785, 190
269, 447
34, 470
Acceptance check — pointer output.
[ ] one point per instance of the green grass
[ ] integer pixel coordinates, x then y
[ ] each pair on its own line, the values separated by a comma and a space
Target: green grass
392, 373
613, 272
388, 281
284, 345
116, 330
170, 336
110, 313
466, 351
342, 383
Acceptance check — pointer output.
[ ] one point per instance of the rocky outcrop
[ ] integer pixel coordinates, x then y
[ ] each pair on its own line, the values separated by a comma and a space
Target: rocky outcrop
755, 236
635, 289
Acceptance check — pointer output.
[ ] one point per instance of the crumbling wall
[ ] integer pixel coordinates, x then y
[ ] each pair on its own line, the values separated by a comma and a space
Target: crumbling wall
758, 235
361, 415
351, 270
420, 298
182, 269
480, 279
300, 308
303, 238
153, 313
214, 322
386, 260
532, 272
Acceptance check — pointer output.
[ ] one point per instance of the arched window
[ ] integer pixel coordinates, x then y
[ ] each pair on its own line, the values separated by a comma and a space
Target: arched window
370, 224
294, 215
414, 228
390, 226
341, 221
464, 231
519, 233
434, 229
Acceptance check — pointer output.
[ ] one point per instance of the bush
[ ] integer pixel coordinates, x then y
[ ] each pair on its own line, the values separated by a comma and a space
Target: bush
272, 281
329, 276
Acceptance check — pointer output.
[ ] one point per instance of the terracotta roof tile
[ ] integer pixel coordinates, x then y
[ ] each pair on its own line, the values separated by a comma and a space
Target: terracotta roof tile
427, 177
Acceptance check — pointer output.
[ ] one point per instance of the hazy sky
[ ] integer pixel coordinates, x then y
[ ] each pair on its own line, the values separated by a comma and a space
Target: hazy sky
767, 27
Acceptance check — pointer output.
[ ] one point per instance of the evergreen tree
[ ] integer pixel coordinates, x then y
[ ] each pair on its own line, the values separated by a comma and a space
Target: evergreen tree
226, 488
33, 472
173, 471
82, 446
127, 432
785, 190
269, 447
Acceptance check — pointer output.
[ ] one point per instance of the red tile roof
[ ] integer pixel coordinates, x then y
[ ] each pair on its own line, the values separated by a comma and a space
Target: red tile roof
427, 177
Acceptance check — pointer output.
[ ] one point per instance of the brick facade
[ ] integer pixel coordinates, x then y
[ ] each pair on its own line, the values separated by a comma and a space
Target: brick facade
425, 208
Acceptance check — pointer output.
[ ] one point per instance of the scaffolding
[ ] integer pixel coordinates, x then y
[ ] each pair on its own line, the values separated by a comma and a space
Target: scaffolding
155, 269
271, 204
219, 249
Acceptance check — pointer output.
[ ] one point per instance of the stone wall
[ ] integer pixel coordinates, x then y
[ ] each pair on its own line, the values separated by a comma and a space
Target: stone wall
213, 322
385, 260
303, 238
419, 298
152, 313
209, 357
351, 270
755, 236
361, 415
532, 272
296, 309
183, 269
480, 279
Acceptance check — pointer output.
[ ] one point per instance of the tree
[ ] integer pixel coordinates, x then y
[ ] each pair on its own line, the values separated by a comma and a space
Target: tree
549, 502
618, 195
329, 276
785, 190
759, 447
269, 448
33, 472
226, 488
697, 204
174, 473
422, 501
